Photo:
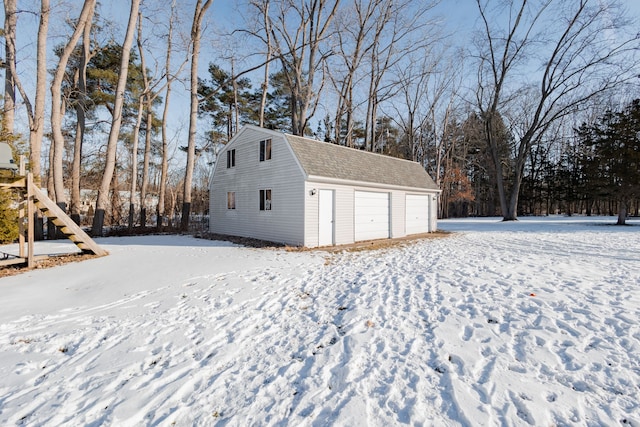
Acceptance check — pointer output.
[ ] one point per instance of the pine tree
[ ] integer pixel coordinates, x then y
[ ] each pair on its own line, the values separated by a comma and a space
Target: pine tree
614, 165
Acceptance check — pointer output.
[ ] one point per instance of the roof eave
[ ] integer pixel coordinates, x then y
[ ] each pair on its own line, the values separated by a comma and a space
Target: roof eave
338, 181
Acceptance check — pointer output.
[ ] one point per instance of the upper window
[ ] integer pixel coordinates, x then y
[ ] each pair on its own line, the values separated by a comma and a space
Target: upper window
231, 158
265, 200
231, 200
265, 150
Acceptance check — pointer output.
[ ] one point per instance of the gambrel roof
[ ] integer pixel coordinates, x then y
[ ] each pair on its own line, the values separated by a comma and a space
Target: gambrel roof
322, 159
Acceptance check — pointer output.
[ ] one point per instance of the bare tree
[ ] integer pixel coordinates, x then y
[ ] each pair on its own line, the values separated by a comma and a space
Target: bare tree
356, 33
299, 30
161, 209
392, 42
35, 113
583, 51
196, 36
80, 106
10, 22
133, 187
269, 43
148, 101
112, 144
427, 91
57, 111
150, 92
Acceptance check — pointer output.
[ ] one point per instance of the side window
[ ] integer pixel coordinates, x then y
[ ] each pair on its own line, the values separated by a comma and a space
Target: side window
231, 200
265, 150
231, 158
265, 200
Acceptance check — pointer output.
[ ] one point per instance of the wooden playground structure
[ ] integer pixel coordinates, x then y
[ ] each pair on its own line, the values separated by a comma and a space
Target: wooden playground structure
33, 200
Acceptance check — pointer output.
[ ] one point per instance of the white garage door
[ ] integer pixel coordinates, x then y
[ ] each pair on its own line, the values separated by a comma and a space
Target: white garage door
417, 214
371, 215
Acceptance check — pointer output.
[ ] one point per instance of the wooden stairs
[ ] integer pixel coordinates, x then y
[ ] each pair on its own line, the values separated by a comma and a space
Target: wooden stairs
66, 225
36, 199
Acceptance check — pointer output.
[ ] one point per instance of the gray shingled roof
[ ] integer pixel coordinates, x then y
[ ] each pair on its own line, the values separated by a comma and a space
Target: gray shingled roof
334, 161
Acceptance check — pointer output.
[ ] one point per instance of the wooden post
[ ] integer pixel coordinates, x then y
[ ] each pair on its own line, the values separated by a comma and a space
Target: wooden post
22, 167
21, 229
23, 206
30, 220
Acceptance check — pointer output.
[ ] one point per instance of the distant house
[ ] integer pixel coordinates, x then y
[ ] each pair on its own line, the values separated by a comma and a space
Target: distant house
283, 188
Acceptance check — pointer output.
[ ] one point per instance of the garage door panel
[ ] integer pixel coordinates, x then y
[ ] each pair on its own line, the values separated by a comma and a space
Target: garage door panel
417, 214
371, 215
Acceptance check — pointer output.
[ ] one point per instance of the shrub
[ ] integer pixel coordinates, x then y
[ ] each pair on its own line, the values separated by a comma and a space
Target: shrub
8, 219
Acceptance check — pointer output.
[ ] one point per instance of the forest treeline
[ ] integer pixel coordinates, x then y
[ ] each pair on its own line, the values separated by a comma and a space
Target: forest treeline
534, 111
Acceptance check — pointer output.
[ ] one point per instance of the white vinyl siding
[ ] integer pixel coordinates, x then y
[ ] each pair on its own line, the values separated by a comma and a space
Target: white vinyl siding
344, 230
294, 215
397, 213
417, 214
284, 223
371, 216
342, 213
433, 212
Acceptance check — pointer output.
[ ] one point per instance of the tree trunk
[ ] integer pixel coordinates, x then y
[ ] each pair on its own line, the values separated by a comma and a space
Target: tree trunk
165, 114
112, 144
265, 83
56, 101
133, 188
512, 208
236, 110
145, 164
74, 206
622, 213
196, 35
80, 126
51, 228
149, 124
36, 117
497, 163
10, 21
37, 129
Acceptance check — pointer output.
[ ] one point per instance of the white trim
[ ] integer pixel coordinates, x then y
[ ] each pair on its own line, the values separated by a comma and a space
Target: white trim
351, 183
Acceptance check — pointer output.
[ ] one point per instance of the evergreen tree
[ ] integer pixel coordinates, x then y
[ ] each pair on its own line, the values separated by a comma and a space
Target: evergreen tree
276, 115
8, 213
226, 101
614, 166
8, 218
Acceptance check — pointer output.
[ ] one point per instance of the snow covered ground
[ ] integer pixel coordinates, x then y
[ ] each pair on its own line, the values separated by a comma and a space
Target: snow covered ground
527, 323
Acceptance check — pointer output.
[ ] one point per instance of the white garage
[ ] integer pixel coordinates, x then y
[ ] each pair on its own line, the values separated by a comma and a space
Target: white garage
303, 192
417, 213
371, 218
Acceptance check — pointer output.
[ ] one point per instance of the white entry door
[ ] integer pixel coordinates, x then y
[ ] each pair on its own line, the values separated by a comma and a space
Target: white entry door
371, 215
417, 214
325, 218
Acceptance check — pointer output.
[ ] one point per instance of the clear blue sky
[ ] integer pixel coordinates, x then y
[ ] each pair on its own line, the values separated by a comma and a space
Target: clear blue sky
459, 17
